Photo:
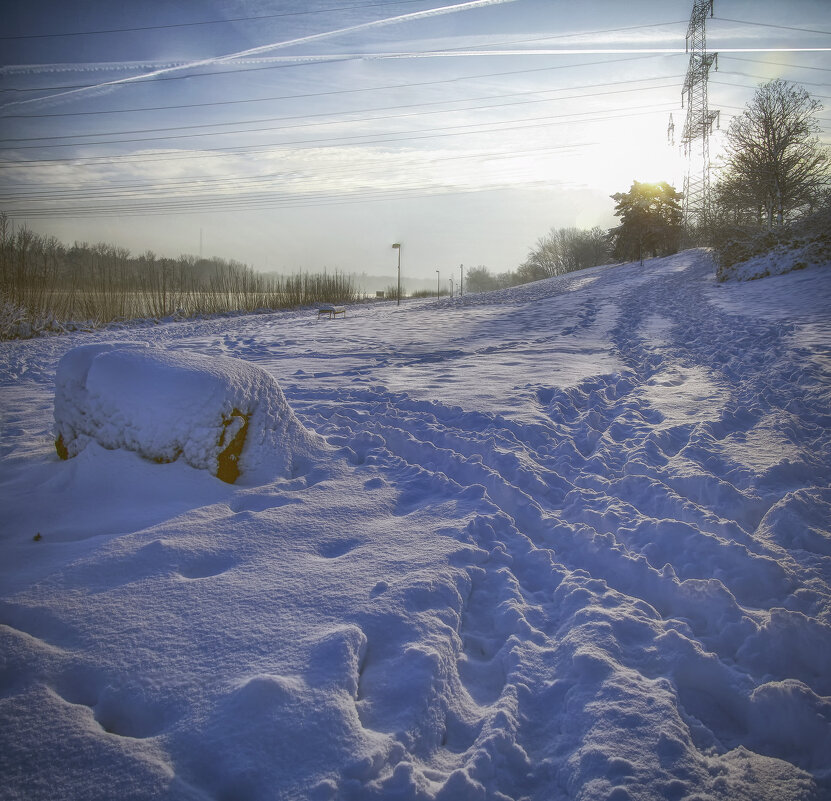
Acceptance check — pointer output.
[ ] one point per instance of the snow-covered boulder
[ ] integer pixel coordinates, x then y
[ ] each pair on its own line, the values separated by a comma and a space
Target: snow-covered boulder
215, 413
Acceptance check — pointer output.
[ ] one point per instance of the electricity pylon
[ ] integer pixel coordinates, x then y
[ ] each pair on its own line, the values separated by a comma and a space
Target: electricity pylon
698, 124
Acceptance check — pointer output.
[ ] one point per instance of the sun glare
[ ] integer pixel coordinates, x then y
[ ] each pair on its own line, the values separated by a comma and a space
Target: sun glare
633, 151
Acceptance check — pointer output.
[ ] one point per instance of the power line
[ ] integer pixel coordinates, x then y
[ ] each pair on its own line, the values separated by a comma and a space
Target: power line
779, 64
322, 143
744, 108
225, 204
226, 201
324, 114
742, 86
241, 192
265, 48
186, 188
205, 22
335, 92
549, 37
207, 180
778, 27
767, 78
236, 71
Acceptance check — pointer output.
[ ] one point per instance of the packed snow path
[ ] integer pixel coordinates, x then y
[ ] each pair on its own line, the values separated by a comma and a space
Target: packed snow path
571, 541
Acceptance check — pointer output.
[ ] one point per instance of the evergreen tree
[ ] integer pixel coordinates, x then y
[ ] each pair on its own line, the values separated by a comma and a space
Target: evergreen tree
650, 221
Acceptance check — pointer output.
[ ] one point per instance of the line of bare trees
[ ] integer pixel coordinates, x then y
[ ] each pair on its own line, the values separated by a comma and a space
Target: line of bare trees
774, 186
45, 284
775, 168
560, 251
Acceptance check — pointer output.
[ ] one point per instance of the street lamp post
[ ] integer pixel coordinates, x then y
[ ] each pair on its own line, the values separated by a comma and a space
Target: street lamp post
438, 285
461, 280
451, 286
397, 246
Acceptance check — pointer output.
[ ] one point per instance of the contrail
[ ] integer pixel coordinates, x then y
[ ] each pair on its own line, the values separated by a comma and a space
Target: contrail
404, 54
415, 15
375, 55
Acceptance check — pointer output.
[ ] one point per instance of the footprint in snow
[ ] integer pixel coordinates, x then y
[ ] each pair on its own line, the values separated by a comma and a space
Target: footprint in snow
206, 566
335, 548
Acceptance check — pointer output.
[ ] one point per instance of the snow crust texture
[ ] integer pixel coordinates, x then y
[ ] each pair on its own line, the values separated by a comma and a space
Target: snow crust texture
569, 541
218, 414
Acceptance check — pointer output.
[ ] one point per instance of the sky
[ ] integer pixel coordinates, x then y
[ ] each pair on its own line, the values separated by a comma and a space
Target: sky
308, 135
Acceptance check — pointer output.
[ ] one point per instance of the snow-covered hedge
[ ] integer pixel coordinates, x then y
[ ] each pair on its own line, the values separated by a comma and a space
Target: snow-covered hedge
215, 413
779, 260
745, 255
17, 323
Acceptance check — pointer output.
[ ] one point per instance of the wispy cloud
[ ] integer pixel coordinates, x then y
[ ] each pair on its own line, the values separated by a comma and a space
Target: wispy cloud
261, 49
289, 177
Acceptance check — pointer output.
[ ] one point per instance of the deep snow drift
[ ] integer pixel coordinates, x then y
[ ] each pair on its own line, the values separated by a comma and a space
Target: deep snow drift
223, 415
565, 541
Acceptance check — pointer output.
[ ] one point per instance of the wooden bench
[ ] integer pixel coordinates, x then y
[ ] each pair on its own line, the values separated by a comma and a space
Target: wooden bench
331, 311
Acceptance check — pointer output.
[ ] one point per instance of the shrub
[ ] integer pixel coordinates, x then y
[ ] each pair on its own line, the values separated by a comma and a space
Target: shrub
810, 236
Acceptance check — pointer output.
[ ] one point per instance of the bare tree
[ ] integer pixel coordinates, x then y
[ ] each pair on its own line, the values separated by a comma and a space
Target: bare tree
6, 249
775, 162
563, 250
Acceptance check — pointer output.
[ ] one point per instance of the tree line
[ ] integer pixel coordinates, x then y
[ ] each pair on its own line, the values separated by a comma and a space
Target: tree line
47, 285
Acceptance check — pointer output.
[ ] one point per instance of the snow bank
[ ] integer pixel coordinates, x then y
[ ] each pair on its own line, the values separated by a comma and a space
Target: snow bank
746, 256
218, 414
779, 261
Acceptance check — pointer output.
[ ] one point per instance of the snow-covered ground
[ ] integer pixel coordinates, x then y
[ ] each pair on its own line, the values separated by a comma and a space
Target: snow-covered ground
567, 541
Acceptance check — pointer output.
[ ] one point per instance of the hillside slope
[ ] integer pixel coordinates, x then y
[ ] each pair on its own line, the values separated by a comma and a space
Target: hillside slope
567, 541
